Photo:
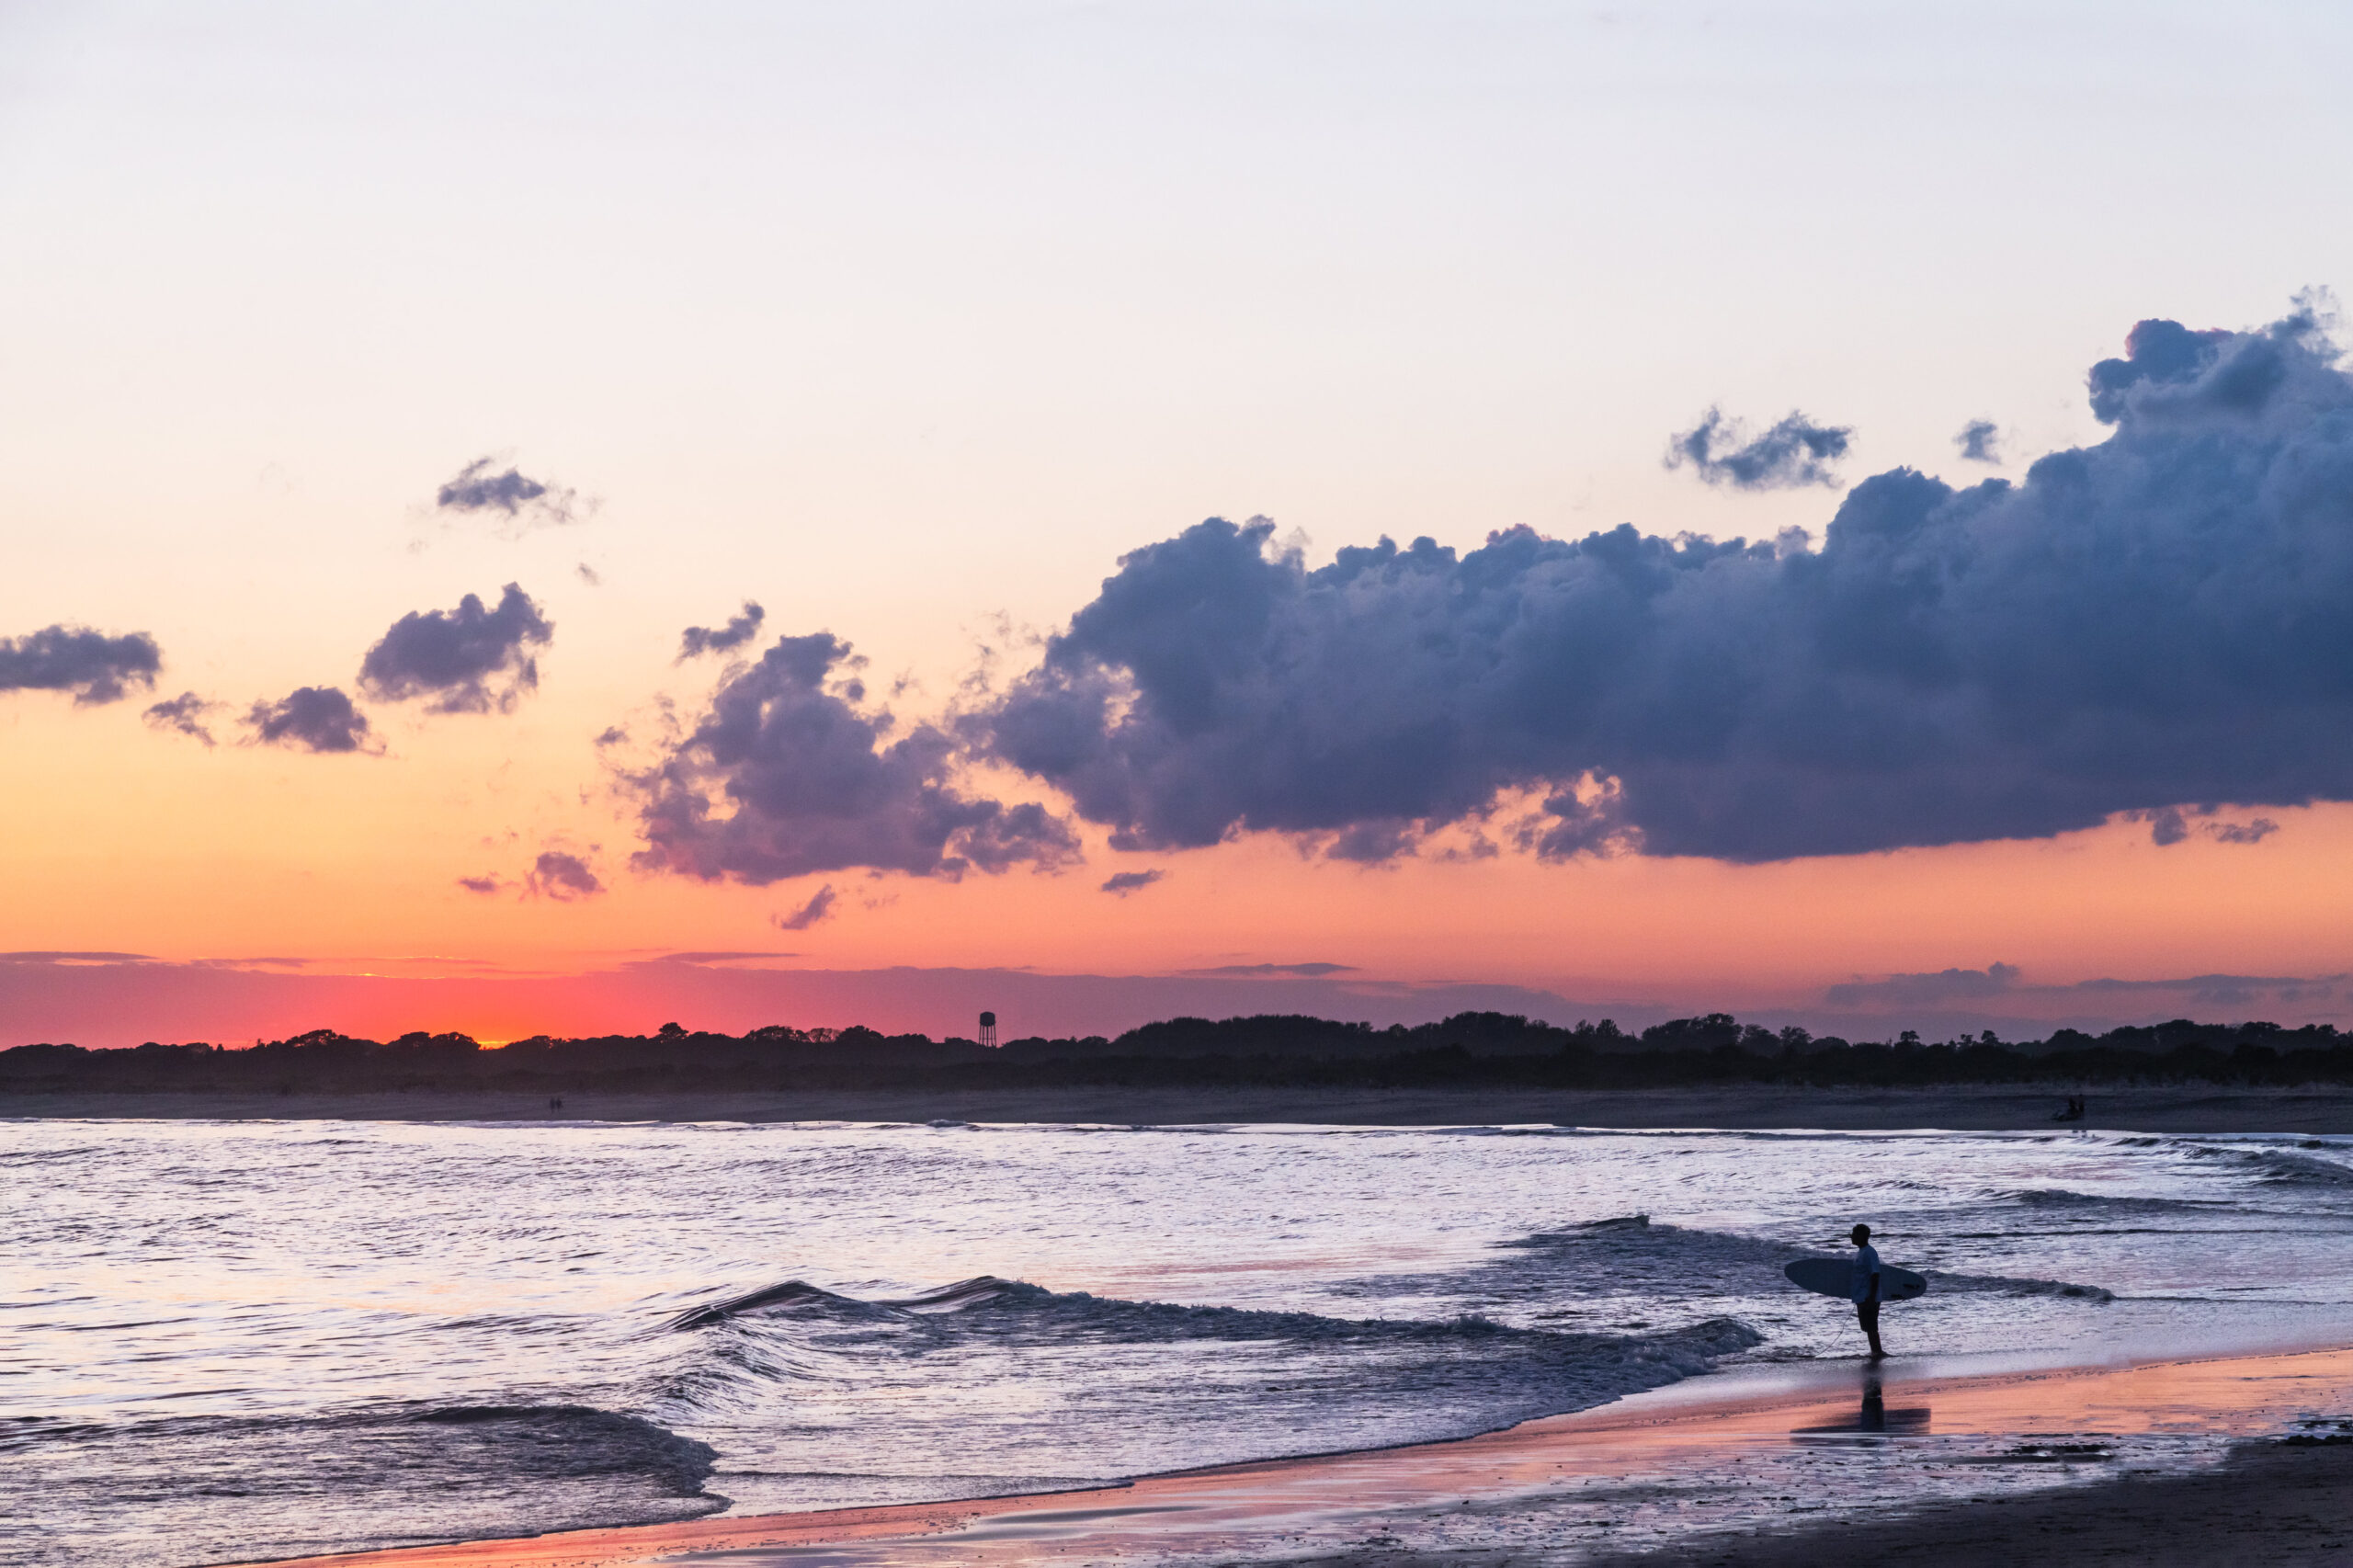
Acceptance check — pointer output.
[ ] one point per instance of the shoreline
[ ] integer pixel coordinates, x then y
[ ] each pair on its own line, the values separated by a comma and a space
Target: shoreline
2199, 1108
1535, 1486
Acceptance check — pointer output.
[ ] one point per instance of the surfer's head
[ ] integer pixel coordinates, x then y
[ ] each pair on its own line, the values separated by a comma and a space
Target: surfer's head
1862, 1235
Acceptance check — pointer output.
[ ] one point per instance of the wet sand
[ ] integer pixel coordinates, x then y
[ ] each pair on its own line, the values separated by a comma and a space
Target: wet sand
2282, 1507
1977, 1107
1766, 1466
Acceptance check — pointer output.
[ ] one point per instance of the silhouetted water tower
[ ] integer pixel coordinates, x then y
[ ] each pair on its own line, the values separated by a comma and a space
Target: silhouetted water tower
988, 1028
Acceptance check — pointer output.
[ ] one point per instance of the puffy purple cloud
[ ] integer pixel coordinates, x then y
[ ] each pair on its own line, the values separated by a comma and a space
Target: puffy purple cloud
2153, 620
481, 884
1795, 451
94, 668
696, 641
469, 660
786, 775
313, 718
1980, 441
1122, 883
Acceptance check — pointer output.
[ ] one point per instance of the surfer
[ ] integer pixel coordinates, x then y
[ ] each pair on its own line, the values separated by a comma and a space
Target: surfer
1865, 1290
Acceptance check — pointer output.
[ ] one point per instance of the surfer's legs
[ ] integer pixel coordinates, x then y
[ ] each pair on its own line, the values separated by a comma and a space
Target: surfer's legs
1867, 1313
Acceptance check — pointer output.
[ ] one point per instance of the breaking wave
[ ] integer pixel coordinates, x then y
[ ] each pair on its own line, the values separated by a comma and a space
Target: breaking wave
249, 1488
1205, 1384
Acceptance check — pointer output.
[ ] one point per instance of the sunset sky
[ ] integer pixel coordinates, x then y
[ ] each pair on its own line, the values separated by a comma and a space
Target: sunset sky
939, 329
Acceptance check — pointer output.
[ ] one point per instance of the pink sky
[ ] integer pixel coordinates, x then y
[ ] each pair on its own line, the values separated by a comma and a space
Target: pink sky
379, 420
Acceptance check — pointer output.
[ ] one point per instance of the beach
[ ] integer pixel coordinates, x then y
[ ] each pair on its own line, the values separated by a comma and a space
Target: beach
2164, 1462
2200, 1108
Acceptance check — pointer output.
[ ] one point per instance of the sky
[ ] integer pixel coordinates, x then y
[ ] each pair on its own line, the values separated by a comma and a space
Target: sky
533, 518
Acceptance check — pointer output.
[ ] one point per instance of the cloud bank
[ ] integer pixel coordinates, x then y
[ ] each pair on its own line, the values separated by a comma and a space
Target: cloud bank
2153, 620
1917, 989
469, 660
94, 668
785, 774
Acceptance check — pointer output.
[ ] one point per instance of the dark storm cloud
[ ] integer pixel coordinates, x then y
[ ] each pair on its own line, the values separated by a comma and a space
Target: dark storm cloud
696, 641
1920, 990
1795, 451
783, 777
820, 905
561, 877
311, 718
92, 665
1980, 441
457, 656
1122, 883
2157, 619
509, 498
184, 714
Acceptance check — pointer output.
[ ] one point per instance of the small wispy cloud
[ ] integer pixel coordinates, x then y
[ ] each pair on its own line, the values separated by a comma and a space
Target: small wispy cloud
562, 877
820, 906
1980, 441
185, 715
696, 641
1795, 451
513, 501
314, 719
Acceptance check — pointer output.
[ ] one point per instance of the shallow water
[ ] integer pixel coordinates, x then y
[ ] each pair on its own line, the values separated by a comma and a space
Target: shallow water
231, 1340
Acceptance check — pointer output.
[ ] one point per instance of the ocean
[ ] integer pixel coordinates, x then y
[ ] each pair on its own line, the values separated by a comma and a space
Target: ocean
223, 1341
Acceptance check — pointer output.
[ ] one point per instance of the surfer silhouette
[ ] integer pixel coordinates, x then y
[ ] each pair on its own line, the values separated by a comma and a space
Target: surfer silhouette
1865, 1290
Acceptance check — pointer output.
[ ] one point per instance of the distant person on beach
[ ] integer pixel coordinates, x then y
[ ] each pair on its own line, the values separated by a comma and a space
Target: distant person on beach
1865, 1292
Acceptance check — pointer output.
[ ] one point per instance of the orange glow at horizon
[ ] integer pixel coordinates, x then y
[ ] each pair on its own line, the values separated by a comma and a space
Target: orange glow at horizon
351, 864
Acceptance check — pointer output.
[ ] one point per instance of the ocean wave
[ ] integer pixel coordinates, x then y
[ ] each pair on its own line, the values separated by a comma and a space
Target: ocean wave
799, 1295
1597, 1266
1032, 1311
1949, 1283
253, 1487
2065, 1201
2282, 1168
793, 1346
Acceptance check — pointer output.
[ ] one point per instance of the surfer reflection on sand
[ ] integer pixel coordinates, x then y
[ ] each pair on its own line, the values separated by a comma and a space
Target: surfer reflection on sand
1875, 1421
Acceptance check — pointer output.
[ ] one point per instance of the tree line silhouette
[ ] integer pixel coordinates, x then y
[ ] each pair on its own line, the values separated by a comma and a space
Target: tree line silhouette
1486, 1050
